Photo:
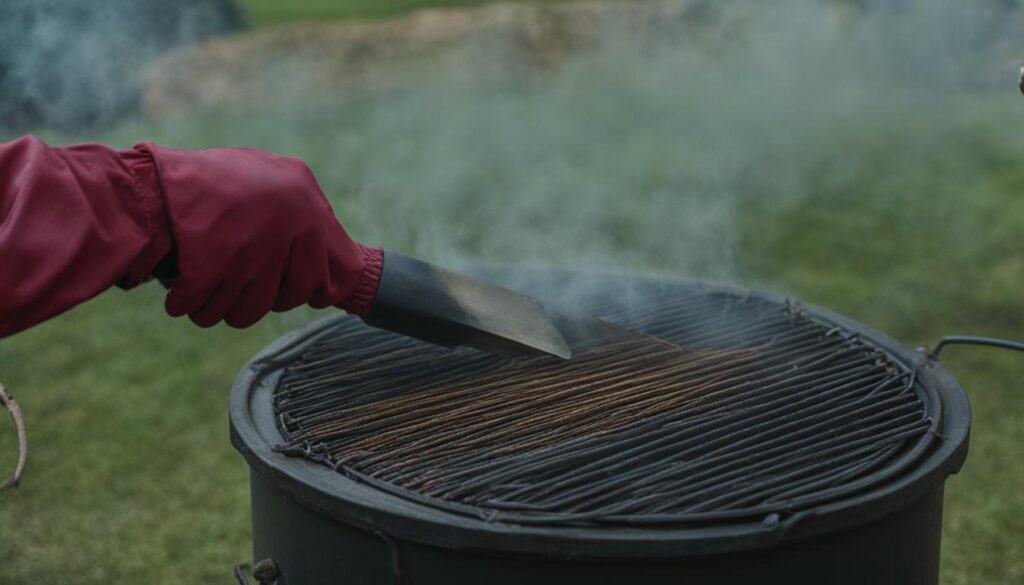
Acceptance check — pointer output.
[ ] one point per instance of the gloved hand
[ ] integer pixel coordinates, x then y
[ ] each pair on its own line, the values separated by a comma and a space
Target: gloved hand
247, 231
252, 232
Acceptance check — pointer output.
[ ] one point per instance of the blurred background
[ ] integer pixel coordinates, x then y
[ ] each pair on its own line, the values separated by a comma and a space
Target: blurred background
865, 156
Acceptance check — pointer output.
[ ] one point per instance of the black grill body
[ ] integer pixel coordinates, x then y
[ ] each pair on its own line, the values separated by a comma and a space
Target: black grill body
323, 525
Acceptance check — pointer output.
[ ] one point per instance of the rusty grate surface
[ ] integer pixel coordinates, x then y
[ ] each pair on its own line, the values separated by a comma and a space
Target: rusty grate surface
760, 409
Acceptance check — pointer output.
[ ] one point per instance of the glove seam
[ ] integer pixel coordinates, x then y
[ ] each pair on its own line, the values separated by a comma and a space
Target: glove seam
145, 202
152, 202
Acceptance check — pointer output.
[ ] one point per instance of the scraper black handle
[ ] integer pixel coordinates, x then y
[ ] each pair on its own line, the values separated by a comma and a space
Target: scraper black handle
412, 300
166, 271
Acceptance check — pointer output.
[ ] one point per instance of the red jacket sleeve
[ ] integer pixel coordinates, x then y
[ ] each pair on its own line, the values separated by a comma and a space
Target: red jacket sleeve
73, 221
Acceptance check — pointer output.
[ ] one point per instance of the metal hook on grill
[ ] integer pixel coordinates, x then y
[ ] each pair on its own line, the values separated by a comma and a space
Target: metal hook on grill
8, 402
265, 572
972, 340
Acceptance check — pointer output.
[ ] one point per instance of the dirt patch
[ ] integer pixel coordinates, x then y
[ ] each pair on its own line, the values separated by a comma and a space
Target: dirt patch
491, 43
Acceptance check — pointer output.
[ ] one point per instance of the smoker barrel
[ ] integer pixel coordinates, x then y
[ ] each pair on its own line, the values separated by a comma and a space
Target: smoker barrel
775, 442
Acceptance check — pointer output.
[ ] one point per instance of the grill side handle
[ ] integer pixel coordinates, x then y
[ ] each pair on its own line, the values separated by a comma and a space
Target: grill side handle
972, 340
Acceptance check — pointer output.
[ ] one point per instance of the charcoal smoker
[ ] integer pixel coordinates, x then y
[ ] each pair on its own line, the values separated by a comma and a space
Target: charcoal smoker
775, 442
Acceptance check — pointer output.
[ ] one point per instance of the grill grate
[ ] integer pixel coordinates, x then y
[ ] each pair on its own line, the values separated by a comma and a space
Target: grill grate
760, 409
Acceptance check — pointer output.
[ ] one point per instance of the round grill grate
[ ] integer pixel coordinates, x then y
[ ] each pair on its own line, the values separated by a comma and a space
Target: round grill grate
759, 408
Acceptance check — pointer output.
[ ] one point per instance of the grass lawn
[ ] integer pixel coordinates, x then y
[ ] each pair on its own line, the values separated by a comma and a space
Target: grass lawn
902, 208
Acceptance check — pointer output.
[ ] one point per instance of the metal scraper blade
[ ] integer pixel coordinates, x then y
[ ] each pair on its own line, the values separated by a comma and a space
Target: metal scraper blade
583, 332
441, 306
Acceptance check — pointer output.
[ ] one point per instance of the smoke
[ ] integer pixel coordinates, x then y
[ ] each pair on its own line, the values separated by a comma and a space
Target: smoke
669, 149
69, 64
648, 155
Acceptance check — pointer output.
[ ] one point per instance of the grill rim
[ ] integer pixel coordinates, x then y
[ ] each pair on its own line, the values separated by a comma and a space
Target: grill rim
254, 432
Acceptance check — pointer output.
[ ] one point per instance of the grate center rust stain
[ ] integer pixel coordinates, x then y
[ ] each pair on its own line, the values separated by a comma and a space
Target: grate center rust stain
758, 409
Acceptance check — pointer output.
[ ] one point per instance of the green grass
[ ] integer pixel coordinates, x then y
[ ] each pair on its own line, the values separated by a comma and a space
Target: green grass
902, 210
130, 477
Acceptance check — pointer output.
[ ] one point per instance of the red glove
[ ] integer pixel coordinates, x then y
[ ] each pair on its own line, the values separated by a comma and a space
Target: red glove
251, 232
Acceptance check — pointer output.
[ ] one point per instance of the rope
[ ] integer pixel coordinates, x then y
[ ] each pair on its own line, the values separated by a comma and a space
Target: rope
11, 405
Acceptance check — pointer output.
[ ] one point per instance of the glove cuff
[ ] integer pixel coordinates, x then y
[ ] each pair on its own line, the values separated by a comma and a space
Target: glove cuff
157, 224
361, 299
